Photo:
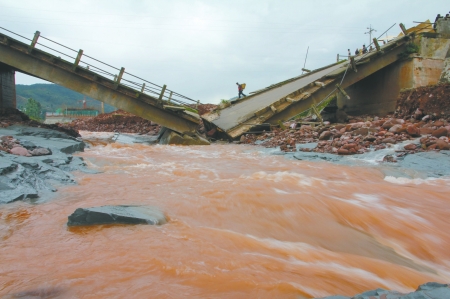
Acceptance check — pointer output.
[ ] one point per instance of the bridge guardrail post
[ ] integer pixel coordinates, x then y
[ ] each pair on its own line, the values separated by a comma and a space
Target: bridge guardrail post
377, 45
163, 90
403, 28
34, 41
170, 97
119, 77
143, 87
353, 63
77, 60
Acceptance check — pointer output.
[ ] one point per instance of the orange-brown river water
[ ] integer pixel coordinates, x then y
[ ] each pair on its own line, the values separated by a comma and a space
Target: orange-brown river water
242, 224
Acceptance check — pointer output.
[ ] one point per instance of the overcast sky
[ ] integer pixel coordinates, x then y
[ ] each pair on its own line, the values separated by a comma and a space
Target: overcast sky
202, 48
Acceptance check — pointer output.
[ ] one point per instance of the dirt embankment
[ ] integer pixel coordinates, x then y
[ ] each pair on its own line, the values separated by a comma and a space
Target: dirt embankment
427, 100
117, 121
9, 117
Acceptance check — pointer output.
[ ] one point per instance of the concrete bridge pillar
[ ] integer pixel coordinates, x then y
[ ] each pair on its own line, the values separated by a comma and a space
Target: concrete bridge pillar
7, 88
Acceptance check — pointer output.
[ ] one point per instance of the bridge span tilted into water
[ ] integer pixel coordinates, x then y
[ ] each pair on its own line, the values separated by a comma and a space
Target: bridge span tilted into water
146, 99
287, 99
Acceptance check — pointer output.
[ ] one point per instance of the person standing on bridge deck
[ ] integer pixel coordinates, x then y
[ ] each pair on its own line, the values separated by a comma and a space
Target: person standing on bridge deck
240, 89
364, 50
349, 54
356, 51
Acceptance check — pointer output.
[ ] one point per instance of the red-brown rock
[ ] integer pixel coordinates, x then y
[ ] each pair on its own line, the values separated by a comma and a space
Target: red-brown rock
410, 147
413, 131
440, 132
397, 129
426, 131
389, 140
442, 145
20, 151
325, 135
343, 151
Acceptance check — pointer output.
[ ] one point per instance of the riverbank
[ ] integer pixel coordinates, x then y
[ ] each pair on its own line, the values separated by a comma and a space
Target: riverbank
35, 161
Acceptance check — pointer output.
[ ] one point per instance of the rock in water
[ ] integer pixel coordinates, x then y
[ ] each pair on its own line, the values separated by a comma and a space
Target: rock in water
428, 290
117, 214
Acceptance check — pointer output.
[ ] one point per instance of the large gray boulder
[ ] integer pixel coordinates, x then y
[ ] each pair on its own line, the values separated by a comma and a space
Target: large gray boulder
117, 214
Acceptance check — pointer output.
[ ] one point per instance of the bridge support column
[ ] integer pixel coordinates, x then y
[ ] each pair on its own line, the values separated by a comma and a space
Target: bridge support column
7, 88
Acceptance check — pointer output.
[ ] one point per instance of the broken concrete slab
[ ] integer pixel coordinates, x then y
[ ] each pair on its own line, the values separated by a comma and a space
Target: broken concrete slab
172, 137
121, 214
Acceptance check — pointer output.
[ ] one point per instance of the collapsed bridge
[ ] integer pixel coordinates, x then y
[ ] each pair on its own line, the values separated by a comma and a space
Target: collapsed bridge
367, 83
349, 82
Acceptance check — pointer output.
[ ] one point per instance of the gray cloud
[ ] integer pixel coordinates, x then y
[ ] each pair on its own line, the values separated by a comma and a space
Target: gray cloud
201, 48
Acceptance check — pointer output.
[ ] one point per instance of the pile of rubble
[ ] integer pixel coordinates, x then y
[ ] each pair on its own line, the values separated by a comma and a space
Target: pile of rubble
124, 122
421, 112
358, 136
117, 121
205, 108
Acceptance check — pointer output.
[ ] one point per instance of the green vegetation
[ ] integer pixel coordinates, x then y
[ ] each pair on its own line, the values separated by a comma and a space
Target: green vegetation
410, 49
319, 108
224, 103
191, 109
33, 109
325, 103
53, 97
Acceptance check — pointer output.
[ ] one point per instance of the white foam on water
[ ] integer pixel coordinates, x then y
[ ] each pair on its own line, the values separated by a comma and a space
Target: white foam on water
281, 176
375, 157
304, 248
280, 191
369, 198
363, 201
409, 215
407, 181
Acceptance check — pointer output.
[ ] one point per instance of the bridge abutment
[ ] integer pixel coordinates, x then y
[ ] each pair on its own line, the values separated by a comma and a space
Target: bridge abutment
378, 93
7, 88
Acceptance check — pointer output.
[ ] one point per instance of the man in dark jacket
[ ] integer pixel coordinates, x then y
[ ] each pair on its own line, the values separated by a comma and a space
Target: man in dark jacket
364, 49
240, 90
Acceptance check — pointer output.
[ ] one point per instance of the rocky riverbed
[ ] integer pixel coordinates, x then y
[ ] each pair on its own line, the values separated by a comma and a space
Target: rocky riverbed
35, 161
422, 112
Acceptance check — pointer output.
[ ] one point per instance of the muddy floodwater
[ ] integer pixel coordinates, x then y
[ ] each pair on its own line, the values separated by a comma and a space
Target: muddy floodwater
242, 224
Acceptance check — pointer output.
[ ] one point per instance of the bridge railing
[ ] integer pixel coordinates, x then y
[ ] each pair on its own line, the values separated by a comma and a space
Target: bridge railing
117, 75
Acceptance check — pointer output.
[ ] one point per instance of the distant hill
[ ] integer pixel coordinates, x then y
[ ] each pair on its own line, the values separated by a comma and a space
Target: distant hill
52, 97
